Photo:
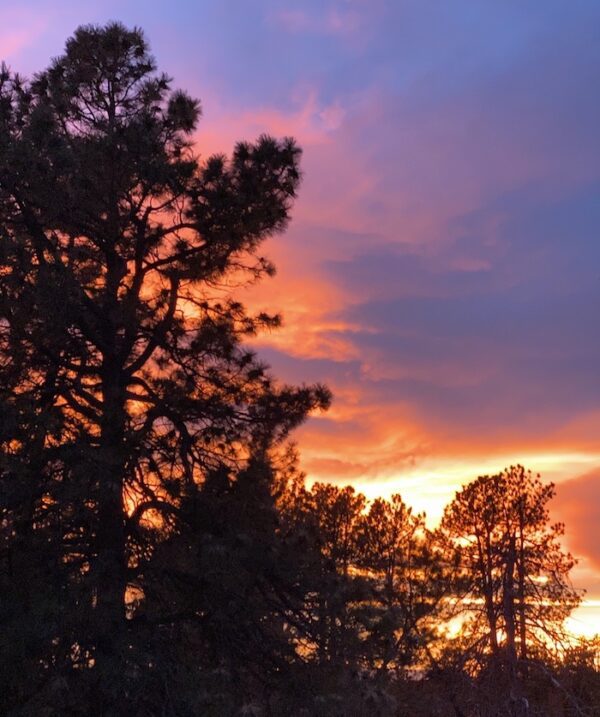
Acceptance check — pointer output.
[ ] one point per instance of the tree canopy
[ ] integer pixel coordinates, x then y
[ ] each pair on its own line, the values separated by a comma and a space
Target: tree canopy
125, 384
516, 573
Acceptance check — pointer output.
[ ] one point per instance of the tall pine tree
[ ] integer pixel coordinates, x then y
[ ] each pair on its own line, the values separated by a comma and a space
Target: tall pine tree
124, 380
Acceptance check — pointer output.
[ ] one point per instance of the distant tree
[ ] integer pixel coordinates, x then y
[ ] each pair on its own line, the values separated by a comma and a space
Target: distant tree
408, 581
124, 382
337, 512
334, 514
512, 573
332, 625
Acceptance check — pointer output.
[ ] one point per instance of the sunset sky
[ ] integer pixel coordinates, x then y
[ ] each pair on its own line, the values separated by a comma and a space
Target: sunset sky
442, 270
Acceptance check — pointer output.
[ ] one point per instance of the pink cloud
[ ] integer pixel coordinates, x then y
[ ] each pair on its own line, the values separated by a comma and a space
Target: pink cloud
333, 21
19, 28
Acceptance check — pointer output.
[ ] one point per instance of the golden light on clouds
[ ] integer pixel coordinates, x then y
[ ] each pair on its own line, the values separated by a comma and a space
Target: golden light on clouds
429, 485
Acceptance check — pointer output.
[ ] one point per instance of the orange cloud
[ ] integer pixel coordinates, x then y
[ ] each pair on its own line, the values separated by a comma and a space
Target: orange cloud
578, 505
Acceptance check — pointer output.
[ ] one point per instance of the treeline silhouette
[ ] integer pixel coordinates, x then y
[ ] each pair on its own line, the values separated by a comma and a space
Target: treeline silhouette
160, 553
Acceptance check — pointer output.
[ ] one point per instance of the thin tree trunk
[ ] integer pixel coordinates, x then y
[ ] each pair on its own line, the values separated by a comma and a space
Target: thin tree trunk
521, 588
508, 600
111, 569
488, 591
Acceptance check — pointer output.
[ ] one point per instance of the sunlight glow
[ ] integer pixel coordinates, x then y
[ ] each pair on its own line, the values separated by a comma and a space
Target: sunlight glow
430, 485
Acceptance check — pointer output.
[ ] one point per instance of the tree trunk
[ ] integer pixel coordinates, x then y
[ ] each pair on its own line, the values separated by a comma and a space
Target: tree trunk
111, 571
521, 588
487, 586
508, 600
111, 568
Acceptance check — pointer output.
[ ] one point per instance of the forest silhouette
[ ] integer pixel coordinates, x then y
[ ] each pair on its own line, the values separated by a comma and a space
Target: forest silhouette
160, 551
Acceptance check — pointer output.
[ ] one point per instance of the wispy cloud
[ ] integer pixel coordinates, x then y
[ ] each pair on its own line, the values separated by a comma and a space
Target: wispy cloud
341, 19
